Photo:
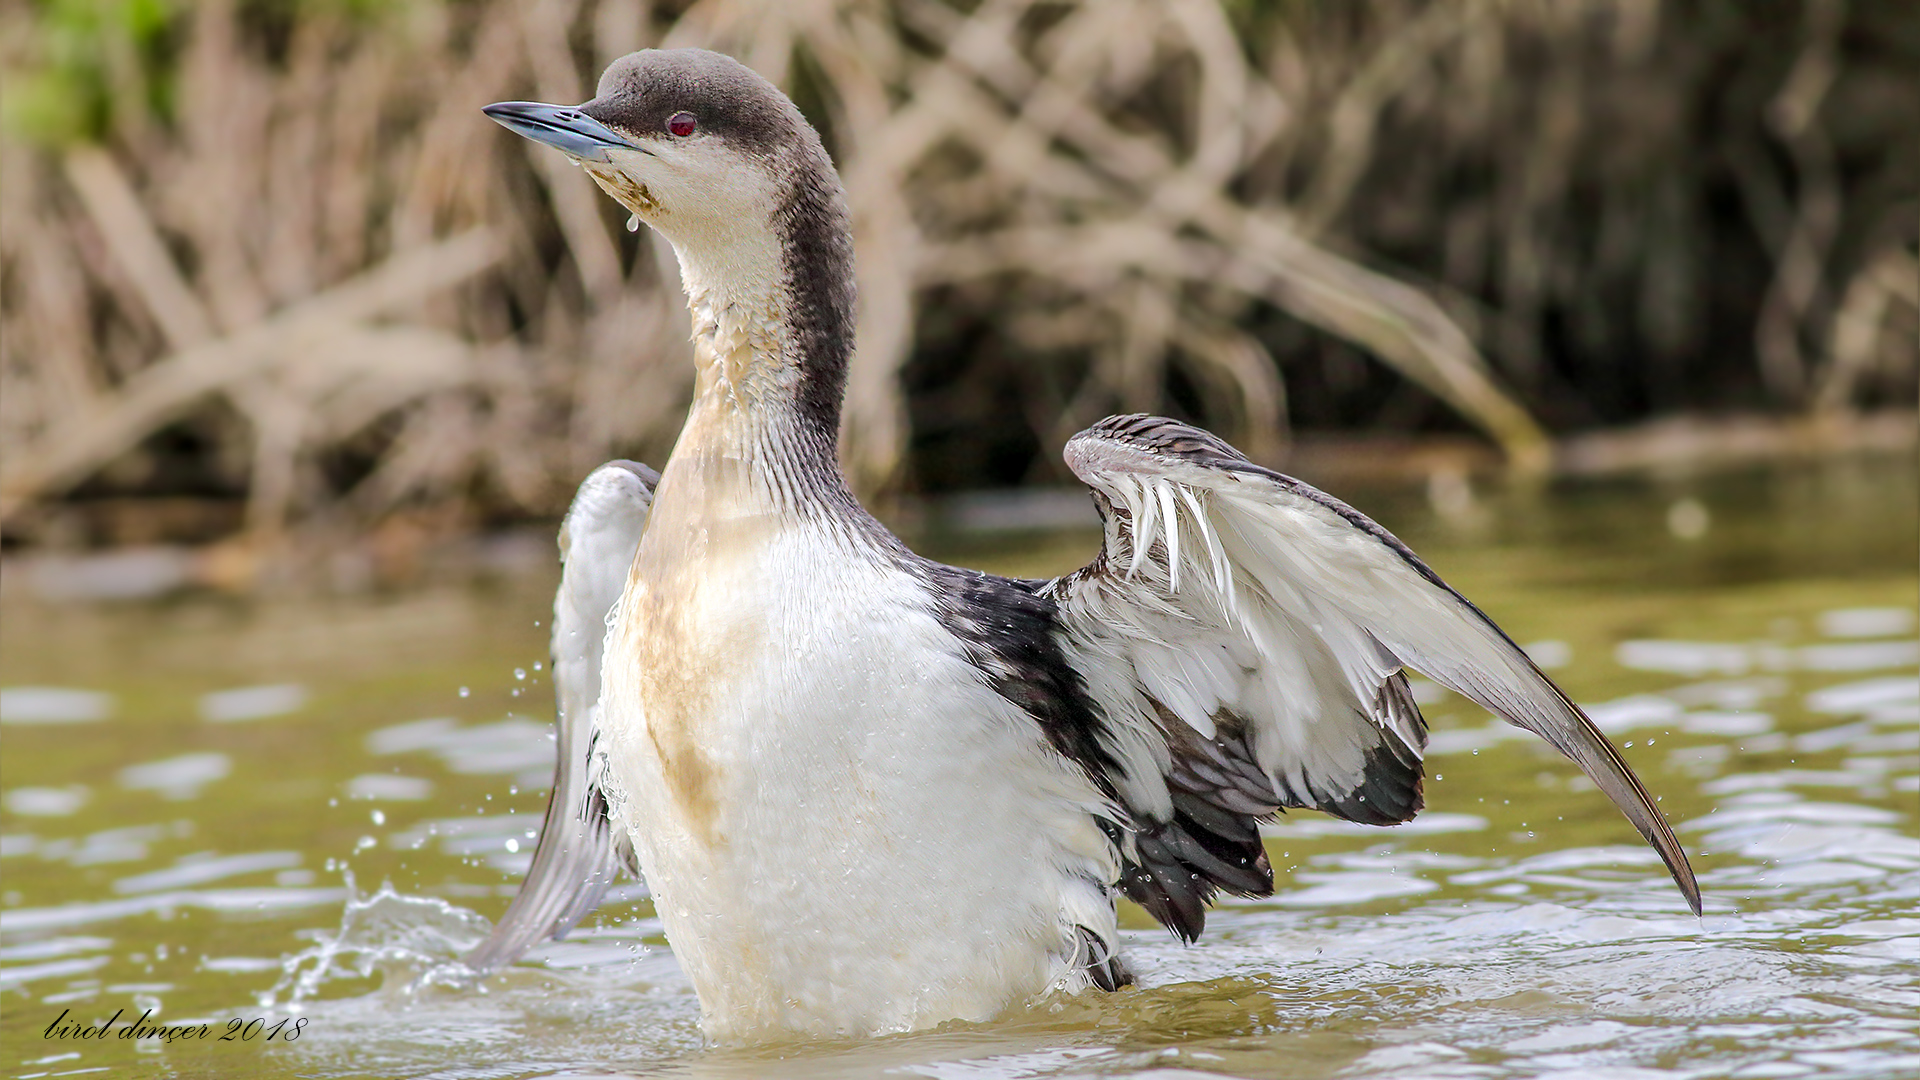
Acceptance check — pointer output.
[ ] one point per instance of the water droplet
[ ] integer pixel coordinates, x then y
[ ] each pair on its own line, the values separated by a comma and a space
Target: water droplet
520, 673
465, 692
512, 844
379, 817
633, 223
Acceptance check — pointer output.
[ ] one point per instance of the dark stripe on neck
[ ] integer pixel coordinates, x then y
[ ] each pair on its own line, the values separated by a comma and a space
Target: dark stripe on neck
816, 255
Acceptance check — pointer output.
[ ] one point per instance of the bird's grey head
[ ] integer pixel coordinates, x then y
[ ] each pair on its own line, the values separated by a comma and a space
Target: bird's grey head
723, 165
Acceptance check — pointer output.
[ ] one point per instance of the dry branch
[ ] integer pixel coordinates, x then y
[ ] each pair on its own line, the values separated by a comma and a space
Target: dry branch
130, 234
171, 386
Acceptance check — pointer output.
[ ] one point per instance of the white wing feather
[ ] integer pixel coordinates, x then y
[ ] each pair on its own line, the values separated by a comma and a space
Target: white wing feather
580, 851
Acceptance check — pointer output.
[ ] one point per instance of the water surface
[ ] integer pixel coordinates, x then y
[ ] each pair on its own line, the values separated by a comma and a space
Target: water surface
221, 811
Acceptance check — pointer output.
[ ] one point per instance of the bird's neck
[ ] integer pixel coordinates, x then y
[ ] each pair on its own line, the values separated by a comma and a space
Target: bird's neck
772, 331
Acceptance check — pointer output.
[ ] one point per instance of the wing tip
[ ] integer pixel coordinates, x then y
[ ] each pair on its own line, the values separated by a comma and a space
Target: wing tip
1667, 846
1581, 741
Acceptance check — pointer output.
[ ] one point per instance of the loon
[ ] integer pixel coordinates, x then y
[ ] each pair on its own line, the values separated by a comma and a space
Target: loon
869, 793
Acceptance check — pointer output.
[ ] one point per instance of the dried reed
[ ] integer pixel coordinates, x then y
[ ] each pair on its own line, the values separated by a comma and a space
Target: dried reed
291, 262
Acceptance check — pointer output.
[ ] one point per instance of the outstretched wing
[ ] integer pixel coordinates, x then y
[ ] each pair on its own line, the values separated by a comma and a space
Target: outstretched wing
580, 850
1245, 634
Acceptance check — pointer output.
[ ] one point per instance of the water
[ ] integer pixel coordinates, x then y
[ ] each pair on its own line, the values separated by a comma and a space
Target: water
224, 812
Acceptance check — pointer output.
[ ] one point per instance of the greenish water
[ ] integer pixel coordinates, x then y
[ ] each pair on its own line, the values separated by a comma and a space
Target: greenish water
294, 810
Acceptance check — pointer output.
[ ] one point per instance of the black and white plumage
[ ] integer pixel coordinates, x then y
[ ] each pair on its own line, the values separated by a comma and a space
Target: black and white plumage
1246, 636
872, 793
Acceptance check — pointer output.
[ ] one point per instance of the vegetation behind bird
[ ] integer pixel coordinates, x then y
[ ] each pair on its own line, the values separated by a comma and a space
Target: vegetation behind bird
241, 255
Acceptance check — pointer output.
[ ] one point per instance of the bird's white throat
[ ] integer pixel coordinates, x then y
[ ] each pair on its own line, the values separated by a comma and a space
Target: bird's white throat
729, 250
739, 305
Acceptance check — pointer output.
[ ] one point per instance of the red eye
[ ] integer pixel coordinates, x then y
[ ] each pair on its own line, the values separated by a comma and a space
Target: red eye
682, 124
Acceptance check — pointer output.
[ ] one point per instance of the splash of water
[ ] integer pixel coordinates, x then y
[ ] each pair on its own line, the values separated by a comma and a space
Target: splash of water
412, 942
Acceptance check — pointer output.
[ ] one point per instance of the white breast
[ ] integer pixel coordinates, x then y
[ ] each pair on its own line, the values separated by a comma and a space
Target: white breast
844, 829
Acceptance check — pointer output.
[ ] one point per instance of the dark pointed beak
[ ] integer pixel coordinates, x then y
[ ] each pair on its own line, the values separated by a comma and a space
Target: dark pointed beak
563, 127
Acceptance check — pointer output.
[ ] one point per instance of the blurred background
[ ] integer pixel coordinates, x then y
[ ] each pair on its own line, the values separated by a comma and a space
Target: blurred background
1606, 307
278, 304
